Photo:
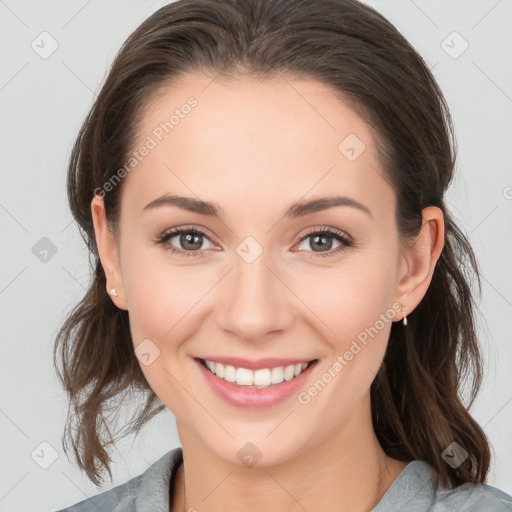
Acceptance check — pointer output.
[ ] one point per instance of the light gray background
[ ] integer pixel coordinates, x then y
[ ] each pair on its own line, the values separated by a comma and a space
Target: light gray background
43, 103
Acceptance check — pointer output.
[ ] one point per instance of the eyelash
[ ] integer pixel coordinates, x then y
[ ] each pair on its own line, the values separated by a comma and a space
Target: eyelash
341, 237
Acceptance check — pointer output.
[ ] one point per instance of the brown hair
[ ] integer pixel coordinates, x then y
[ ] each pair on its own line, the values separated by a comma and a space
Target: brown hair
416, 405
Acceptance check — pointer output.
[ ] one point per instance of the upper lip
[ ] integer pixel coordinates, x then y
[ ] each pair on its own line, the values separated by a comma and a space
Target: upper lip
258, 364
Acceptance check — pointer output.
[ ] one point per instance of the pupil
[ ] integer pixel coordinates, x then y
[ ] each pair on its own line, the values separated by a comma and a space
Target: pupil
325, 241
189, 239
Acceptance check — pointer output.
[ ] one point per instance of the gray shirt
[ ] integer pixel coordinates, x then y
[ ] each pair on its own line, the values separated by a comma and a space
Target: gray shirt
414, 490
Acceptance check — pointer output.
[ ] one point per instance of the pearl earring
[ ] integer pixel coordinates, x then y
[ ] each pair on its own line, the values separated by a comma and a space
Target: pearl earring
113, 292
404, 321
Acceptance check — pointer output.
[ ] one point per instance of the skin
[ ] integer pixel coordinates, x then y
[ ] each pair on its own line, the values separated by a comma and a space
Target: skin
254, 147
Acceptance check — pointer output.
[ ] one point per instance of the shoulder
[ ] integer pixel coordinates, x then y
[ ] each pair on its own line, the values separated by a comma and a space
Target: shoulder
473, 497
147, 491
417, 490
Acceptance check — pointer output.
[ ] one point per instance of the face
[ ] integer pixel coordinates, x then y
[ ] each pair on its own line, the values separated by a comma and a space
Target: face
263, 280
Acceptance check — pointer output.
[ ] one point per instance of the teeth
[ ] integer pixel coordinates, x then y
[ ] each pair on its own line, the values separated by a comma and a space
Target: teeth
229, 373
244, 377
219, 370
262, 378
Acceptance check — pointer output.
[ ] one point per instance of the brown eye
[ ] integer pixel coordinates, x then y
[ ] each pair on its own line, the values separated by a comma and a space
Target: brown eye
185, 241
321, 242
189, 241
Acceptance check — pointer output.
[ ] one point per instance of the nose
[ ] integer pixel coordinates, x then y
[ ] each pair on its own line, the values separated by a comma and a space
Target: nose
255, 301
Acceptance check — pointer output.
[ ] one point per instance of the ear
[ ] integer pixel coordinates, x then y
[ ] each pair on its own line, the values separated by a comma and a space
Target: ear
419, 260
108, 252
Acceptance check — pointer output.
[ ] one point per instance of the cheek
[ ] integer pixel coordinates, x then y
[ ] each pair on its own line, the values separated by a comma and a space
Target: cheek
359, 314
351, 298
353, 306
160, 294
164, 308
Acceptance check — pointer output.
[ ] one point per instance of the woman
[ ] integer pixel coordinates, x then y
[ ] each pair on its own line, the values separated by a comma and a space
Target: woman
261, 184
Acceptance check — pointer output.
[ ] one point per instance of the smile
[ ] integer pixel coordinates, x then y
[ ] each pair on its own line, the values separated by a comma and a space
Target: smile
262, 378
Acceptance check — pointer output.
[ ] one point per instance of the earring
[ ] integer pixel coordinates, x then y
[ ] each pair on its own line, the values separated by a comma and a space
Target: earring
404, 321
113, 292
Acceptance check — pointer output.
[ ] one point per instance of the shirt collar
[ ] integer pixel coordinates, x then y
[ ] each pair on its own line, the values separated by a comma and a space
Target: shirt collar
155, 491
417, 482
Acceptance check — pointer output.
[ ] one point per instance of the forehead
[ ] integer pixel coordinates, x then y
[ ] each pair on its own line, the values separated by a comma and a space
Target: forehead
228, 110
251, 138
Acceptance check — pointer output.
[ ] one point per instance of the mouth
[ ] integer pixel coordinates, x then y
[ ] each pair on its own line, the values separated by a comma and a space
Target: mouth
260, 378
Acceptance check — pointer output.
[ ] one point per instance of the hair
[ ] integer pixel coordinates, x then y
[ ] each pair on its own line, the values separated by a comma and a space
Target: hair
416, 397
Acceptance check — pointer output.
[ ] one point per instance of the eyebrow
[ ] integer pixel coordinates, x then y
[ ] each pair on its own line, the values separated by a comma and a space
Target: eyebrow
299, 209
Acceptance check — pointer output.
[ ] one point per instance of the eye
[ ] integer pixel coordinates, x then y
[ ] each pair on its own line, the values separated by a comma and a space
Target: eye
321, 241
189, 241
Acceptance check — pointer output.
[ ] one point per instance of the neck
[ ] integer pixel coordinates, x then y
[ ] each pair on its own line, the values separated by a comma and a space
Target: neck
346, 472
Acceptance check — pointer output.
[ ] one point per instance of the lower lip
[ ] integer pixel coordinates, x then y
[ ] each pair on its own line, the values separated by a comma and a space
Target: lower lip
252, 397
